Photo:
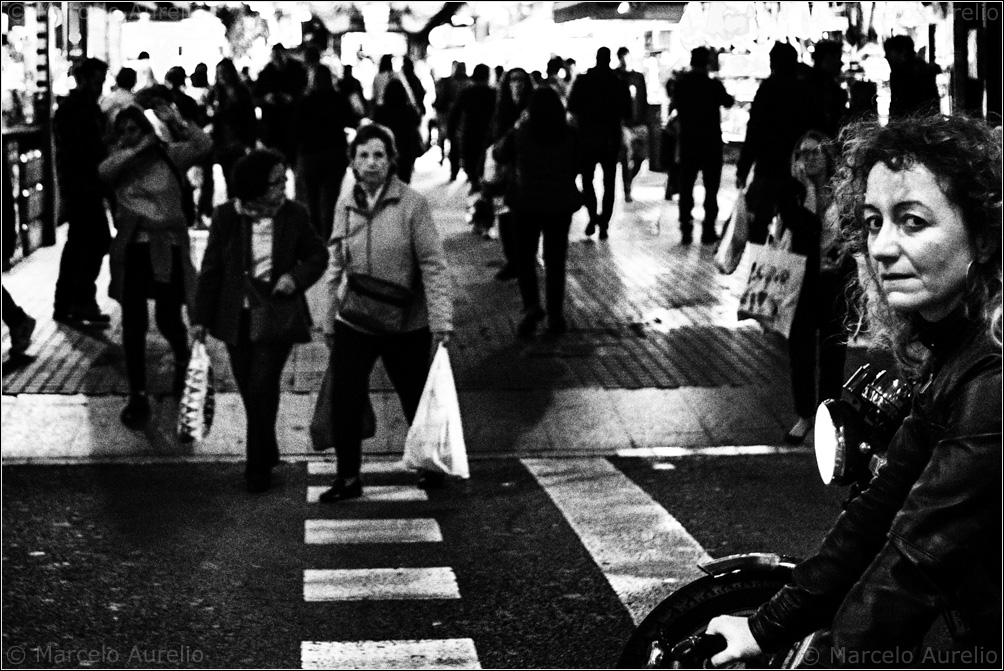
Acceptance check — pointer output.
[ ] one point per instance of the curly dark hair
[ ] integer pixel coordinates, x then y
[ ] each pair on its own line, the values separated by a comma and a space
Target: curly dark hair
964, 154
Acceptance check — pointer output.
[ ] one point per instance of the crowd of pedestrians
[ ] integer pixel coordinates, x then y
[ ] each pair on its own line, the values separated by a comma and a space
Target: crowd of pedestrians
528, 143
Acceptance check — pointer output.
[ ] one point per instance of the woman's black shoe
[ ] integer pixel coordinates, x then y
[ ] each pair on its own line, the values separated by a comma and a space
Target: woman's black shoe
342, 489
431, 480
137, 411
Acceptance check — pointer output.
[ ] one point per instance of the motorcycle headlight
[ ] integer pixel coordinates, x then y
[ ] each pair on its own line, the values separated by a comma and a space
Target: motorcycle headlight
837, 439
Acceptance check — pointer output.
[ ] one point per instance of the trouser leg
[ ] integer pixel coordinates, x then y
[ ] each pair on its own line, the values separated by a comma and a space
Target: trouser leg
832, 337
712, 174
609, 167
555, 255
352, 359
689, 167
527, 234
135, 319
507, 235
588, 190
406, 359
802, 343
258, 371
87, 240
13, 315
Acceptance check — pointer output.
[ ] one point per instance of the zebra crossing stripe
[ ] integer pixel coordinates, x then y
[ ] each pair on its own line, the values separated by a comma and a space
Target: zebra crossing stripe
375, 584
714, 451
332, 532
375, 494
642, 550
370, 467
450, 653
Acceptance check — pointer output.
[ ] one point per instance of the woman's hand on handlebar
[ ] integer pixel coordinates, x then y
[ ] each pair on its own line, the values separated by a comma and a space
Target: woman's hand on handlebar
736, 631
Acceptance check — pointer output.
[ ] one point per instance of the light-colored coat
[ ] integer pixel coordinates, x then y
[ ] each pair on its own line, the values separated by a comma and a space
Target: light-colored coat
404, 248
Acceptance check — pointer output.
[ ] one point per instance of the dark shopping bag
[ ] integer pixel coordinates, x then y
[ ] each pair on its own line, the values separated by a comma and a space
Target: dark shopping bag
321, 429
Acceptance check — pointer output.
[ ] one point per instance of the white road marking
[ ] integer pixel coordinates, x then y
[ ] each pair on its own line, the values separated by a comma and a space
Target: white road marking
717, 451
375, 494
331, 468
375, 584
643, 551
450, 653
331, 532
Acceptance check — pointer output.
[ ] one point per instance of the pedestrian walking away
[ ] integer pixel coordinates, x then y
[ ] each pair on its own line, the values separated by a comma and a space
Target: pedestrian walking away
260, 245
389, 298
696, 98
600, 103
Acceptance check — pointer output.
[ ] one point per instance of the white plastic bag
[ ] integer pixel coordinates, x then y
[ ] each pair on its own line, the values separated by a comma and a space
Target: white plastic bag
435, 440
774, 284
198, 400
734, 239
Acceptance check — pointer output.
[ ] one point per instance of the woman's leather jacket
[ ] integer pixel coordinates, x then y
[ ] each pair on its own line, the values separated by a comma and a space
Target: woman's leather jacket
925, 537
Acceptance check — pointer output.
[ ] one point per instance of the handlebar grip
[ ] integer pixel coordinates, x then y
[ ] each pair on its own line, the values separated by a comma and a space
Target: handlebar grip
700, 646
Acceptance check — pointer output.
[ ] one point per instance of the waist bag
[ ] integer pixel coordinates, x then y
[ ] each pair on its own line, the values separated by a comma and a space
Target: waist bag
372, 303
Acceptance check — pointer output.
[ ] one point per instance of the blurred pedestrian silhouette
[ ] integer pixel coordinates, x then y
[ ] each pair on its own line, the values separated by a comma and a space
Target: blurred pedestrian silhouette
397, 113
471, 119
634, 143
913, 86
696, 98
600, 103
782, 112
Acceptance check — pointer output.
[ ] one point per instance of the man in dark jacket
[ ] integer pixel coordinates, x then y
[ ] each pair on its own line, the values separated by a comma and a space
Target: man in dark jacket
279, 87
78, 129
634, 143
696, 98
471, 117
781, 113
600, 103
913, 86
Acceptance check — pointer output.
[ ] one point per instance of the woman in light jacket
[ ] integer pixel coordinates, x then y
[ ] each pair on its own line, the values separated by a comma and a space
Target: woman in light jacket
150, 256
384, 229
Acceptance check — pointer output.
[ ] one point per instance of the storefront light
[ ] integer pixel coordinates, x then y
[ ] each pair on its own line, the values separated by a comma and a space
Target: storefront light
624, 8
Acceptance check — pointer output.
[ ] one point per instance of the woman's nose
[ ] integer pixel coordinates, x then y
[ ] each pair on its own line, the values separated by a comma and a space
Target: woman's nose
885, 243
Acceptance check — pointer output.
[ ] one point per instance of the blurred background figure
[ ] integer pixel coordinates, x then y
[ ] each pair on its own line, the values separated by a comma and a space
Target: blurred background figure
278, 88
471, 119
696, 99
634, 146
913, 86
447, 91
321, 118
232, 112
398, 114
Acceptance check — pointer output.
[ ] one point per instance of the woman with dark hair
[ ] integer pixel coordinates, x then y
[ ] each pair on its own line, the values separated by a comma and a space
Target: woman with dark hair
398, 114
232, 113
385, 74
807, 209
513, 98
322, 116
544, 152
259, 243
922, 198
150, 255
384, 230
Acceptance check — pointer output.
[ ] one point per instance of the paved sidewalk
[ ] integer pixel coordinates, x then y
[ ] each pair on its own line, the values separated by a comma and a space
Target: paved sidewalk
654, 355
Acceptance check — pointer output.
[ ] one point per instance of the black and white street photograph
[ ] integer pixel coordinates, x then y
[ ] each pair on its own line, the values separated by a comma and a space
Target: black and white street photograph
502, 335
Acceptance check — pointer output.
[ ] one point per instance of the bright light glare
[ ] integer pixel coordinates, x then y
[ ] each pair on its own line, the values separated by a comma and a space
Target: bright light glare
827, 440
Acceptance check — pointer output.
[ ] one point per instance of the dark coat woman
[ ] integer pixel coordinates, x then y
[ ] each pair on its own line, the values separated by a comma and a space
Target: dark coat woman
542, 195
150, 255
261, 236
397, 113
923, 198
513, 98
232, 111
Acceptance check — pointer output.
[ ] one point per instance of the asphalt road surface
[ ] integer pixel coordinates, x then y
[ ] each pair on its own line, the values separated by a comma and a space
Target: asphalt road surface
167, 566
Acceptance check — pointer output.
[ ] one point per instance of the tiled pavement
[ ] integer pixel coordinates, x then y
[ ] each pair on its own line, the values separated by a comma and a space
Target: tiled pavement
653, 357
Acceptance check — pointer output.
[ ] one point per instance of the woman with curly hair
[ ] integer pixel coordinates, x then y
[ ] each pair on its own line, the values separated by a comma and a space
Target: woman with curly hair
922, 198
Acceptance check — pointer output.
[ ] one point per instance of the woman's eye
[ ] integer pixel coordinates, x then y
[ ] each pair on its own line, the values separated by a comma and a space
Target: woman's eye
912, 222
873, 224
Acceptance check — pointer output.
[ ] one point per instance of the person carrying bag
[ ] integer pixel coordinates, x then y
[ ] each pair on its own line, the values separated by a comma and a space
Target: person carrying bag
389, 298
